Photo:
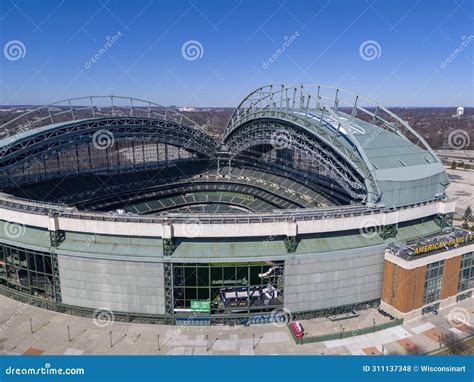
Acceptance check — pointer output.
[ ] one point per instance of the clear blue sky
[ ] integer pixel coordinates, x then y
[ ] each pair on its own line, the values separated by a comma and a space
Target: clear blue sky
238, 37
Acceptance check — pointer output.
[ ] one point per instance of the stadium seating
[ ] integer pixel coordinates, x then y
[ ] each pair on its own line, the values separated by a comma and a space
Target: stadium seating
195, 185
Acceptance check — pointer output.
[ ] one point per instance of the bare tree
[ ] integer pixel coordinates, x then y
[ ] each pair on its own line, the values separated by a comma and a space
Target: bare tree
394, 352
453, 343
415, 350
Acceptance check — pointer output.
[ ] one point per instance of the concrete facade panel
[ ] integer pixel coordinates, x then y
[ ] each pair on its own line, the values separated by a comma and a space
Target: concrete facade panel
125, 286
325, 280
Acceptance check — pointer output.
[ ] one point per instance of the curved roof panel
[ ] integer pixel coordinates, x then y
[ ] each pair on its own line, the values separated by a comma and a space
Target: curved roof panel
395, 163
387, 151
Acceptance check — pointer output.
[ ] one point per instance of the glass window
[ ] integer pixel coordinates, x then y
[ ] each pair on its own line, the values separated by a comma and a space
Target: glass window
190, 293
216, 276
229, 287
229, 275
243, 275
190, 276
178, 275
203, 293
39, 264
3, 268
466, 273
254, 272
433, 282
179, 293
27, 270
203, 277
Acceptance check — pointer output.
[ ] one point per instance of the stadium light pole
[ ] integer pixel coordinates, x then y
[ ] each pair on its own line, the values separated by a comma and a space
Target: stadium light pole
256, 343
68, 334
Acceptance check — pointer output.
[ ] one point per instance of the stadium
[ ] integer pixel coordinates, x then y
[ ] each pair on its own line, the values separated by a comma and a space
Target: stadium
309, 205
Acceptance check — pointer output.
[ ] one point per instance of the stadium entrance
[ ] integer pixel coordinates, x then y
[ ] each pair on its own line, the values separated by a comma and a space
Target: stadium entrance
225, 288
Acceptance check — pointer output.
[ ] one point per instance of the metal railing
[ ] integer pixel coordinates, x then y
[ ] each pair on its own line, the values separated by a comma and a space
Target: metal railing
323, 103
93, 107
345, 334
18, 204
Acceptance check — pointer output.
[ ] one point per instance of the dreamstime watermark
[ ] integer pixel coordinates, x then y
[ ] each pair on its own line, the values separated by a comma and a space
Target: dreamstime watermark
192, 228
459, 139
91, 239
109, 42
366, 322
369, 228
120, 212
20, 129
287, 42
14, 50
281, 139
371, 138
465, 42
103, 317
281, 317
370, 50
103, 139
459, 317
192, 50
14, 230
21, 310
267, 240
45, 370
183, 325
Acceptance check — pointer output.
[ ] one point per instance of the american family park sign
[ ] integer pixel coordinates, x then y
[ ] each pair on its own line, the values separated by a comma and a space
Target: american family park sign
440, 244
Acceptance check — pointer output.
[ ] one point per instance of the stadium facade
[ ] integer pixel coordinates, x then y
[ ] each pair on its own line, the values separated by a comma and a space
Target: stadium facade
315, 202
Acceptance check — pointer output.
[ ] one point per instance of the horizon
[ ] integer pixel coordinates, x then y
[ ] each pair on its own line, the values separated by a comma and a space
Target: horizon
466, 108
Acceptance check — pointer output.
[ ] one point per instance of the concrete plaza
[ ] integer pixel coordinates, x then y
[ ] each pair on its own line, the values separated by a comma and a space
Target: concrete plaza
50, 335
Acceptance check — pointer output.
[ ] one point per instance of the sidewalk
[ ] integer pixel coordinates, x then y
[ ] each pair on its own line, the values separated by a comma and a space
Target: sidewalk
50, 335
